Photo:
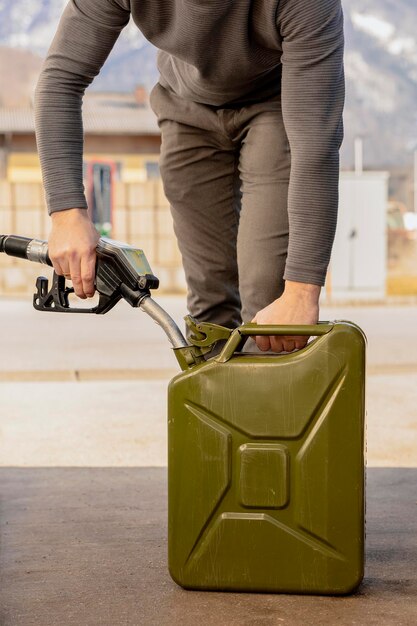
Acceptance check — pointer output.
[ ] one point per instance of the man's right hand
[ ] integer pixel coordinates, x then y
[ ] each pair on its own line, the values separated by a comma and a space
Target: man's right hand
72, 249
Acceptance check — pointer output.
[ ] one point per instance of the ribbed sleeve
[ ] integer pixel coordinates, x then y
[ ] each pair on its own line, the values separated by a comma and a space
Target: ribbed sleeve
86, 34
312, 105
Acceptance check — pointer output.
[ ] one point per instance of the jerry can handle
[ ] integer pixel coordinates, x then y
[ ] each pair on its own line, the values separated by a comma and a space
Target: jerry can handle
321, 328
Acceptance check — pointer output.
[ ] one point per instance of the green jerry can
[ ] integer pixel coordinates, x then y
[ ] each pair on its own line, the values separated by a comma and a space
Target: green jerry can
266, 451
266, 463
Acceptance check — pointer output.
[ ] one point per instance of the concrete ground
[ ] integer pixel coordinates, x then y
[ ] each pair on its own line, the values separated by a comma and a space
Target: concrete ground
81, 390
61, 346
87, 547
82, 476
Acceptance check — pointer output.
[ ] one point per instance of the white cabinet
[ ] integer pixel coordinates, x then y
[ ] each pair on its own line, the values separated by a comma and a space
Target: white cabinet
358, 264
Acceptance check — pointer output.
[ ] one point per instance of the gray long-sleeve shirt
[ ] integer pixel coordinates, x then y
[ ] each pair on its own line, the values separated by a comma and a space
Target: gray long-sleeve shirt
215, 52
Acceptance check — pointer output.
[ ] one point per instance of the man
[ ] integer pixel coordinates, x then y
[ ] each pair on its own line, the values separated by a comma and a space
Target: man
249, 103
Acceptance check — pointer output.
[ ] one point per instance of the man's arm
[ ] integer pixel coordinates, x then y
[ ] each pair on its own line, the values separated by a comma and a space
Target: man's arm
312, 105
86, 34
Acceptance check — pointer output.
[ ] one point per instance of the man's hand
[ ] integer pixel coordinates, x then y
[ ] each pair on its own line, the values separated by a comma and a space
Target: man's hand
72, 249
299, 304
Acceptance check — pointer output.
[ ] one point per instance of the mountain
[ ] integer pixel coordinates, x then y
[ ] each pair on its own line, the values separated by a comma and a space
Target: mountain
380, 62
381, 80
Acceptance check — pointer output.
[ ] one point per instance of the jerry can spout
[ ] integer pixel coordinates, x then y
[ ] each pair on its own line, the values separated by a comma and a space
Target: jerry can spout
202, 335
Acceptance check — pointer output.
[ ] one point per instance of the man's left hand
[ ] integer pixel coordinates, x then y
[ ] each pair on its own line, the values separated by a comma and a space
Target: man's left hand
299, 304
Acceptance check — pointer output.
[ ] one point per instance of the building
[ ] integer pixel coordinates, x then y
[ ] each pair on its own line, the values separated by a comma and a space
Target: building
121, 177
121, 142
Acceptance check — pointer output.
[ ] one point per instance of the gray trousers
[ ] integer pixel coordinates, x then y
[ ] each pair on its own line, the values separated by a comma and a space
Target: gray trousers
225, 173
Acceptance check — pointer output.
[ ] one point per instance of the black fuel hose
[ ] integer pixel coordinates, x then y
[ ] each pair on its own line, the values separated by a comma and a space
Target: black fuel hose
24, 248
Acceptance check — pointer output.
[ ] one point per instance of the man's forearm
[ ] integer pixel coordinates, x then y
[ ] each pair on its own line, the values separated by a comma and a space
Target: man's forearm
312, 106
305, 290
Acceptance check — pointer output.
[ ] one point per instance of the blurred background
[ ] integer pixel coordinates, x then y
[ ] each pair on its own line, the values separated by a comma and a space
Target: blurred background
375, 252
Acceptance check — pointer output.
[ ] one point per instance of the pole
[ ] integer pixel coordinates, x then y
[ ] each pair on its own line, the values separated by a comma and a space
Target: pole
358, 155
